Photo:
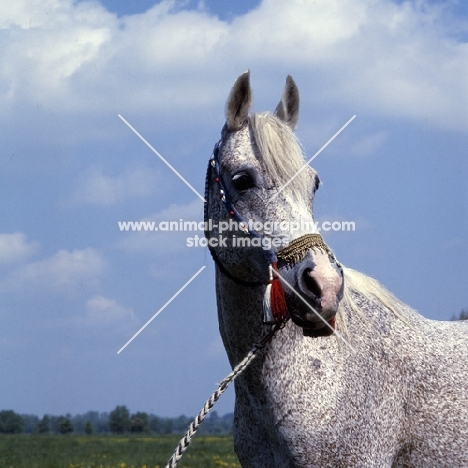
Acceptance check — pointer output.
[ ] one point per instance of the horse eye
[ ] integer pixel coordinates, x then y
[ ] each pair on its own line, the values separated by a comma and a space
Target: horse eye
316, 183
242, 181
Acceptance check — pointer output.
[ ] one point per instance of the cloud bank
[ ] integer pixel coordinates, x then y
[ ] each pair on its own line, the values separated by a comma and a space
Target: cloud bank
399, 60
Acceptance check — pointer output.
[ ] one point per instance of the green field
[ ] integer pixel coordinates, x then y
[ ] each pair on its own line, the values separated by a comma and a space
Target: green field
34, 451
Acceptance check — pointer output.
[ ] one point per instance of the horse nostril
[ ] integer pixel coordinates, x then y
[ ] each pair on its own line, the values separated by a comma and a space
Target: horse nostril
311, 283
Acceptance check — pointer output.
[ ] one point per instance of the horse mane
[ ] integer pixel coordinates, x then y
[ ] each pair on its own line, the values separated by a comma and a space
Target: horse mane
281, 152
358, 285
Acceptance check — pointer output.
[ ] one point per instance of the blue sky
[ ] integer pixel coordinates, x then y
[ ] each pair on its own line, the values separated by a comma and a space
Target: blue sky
74, 289
223, 9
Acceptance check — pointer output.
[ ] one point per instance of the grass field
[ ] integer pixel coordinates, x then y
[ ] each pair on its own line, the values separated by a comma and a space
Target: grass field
33, 451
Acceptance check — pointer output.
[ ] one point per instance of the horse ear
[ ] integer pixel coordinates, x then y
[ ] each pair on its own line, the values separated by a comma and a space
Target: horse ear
239, 101
288, 108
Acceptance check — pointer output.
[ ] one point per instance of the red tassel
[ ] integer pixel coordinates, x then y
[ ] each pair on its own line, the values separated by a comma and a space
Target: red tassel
279, 308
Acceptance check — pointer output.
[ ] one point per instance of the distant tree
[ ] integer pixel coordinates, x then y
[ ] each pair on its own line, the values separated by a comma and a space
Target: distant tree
139, 423
30, 423
89, 428
219, 425
119, 420
102, 424
181, 423
53, 424
463, 315
99, 422
43, 426
155, 424
160, 425
64, 425
11, 422
167, 426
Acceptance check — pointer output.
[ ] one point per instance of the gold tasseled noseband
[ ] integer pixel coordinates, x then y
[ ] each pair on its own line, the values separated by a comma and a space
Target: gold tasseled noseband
297, 249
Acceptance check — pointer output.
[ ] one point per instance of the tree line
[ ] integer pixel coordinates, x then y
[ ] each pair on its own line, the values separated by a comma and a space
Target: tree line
463, 315
118, 421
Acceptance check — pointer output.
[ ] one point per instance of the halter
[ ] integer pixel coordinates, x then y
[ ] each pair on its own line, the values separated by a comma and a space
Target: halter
294, 252
214, 169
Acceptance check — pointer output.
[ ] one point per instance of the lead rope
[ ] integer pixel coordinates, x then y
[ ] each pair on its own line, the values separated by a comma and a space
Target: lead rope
222, 387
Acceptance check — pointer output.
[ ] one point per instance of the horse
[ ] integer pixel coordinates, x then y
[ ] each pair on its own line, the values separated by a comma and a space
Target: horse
353, 377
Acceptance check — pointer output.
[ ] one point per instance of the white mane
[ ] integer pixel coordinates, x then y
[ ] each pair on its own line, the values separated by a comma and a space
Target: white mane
357, 284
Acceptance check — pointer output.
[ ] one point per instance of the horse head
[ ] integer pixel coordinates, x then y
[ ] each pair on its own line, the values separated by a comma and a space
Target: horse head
259, 217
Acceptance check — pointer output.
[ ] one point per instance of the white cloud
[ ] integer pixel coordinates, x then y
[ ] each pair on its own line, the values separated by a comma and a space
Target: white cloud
49, 42
369, 144
215, 349
14, 247
47, 14
65, 272
100, 189
297, 29
102, 311
164, 242
400, 60
99, 312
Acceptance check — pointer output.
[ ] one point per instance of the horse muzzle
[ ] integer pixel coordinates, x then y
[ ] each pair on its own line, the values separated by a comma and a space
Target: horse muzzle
313, 290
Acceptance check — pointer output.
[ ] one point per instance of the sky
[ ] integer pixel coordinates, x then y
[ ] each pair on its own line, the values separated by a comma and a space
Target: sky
74, 288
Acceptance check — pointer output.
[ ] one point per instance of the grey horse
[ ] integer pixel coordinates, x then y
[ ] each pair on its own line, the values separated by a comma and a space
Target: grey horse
356, 378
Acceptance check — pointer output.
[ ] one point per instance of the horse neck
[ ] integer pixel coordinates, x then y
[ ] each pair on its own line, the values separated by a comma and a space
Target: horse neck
240, 316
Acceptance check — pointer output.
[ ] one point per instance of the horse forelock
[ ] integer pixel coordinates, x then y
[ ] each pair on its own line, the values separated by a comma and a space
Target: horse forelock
281, 153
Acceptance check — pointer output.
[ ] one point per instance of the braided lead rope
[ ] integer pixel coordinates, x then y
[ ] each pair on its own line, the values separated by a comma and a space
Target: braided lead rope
222, 387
